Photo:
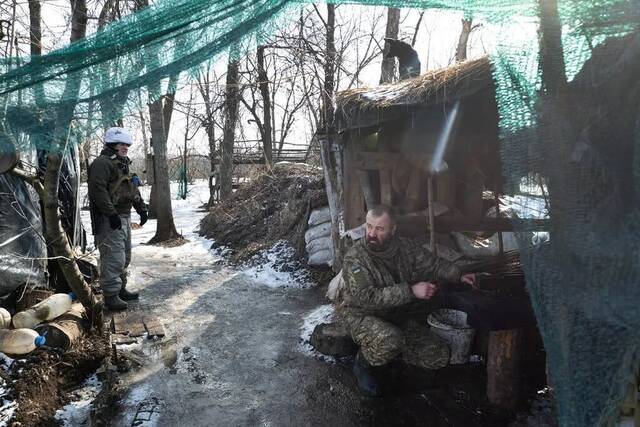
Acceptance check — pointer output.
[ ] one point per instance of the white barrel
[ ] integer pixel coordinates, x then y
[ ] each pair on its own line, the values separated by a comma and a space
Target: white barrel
52, 307
19, 341
5, 319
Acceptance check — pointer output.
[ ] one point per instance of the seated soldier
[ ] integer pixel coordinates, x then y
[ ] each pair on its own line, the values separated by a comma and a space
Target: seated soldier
389, 290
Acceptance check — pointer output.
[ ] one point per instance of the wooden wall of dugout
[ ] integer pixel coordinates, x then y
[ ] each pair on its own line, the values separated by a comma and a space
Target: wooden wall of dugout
389, 165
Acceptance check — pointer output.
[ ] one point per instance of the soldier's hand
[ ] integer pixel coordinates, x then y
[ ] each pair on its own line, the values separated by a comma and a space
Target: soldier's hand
143, 218
424, 290
469, 279
115, 222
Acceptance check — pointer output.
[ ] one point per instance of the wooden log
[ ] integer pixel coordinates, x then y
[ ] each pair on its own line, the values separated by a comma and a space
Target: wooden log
503, 367
63, 331
352, 195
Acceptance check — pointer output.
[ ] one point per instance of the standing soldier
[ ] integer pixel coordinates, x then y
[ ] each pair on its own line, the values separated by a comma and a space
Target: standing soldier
111, 196
389, 288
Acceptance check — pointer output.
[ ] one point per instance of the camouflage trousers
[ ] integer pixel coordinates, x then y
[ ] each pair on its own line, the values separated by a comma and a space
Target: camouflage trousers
115, 255
382, 340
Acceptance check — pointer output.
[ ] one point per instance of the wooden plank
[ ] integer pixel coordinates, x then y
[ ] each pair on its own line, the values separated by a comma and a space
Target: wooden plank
369, 160
413, 191
503, 367
418, 223
371, 197
119, 339
386, 193
154, 327
135, 325
119, 322
353, 198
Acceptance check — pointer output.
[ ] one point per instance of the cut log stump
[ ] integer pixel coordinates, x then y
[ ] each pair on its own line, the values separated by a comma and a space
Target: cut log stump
333, 340
63, 331
504, 367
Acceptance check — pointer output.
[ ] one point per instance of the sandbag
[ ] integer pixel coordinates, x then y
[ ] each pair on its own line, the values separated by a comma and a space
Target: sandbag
319, 216
321, 258
320, 244
317, 232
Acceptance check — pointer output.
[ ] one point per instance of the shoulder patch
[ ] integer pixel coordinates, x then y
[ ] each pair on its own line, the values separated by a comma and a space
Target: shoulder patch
356, 269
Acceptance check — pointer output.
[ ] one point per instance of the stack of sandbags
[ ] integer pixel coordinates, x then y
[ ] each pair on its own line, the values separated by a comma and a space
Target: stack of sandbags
318, 238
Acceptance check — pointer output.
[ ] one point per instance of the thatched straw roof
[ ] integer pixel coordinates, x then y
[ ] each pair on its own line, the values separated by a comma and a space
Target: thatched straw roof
436, 87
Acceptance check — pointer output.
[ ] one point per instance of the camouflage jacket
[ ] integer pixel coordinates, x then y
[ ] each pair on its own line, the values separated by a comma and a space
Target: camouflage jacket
379, 282
110, 188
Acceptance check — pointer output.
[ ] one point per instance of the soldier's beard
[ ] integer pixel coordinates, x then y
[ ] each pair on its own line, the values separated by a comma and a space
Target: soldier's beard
376, 245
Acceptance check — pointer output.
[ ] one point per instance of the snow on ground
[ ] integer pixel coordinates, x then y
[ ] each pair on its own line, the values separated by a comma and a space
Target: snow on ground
77, 412
277, 267
322, 314
142, 407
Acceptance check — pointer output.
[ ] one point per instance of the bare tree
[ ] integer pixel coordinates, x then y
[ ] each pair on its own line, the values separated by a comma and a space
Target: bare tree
467, 28
387, 74
160, 113
232, 96
55, 235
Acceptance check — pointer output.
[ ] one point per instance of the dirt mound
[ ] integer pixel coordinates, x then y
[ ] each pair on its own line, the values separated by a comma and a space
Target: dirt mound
273, 206
44, 379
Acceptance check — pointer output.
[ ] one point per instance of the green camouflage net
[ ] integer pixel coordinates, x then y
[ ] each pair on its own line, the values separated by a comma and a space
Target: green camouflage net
582, 141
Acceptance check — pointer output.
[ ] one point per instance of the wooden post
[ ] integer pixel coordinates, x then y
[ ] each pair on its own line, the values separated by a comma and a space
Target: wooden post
503, 367
331, 187
432, 216
500, 240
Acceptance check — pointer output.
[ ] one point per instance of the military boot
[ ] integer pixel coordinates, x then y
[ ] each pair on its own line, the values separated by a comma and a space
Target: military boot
114, 303
126, 295
367, 383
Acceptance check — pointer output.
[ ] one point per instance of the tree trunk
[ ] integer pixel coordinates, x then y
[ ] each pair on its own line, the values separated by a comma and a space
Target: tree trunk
55, 235
166, 229
461, 50
329, 71
35, 27
232, 95
267, 142
389, 64
213, 180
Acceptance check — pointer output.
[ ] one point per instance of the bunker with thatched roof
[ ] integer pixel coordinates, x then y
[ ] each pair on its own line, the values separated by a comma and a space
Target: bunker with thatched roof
393, 142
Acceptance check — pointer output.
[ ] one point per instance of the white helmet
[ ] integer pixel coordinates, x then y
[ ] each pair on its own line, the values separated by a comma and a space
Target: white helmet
117, 135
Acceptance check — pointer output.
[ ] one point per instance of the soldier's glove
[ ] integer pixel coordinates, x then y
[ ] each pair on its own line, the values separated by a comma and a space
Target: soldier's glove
115, 222
143, 218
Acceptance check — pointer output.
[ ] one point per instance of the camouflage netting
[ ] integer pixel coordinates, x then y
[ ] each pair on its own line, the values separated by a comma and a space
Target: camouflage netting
569, 116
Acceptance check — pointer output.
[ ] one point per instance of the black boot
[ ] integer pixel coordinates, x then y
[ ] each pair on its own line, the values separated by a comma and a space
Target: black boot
114, 303
127, 295
367, 383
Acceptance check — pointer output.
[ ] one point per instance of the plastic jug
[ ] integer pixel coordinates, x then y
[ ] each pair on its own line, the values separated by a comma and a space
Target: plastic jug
52, 307
20, 341
5, 319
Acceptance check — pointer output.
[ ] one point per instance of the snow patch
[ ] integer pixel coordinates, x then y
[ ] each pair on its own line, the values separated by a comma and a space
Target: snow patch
322, 314
78, 411
141, 407
278, 268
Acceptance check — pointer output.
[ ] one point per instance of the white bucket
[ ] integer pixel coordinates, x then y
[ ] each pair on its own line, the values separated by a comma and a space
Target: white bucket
451, 325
